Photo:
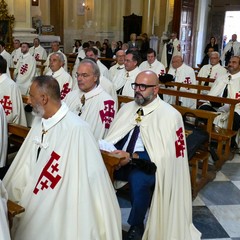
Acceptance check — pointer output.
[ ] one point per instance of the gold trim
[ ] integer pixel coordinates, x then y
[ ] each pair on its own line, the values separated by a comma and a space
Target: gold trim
6, 26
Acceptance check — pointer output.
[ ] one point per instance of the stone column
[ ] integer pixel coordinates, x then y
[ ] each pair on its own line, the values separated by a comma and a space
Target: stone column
148, 17
21, 9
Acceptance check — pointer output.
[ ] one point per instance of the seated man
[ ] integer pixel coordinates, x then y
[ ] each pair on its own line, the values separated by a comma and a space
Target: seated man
119, 66
37, 51
59, 177
4, 225
123, 80
90, 101
55, 48
228, 86
161, 141
213, 69
152, 63
56, 70
182, 73
10, 97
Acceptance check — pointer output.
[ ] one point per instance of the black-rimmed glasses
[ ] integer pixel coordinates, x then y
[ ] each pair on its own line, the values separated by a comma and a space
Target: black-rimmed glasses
142, 87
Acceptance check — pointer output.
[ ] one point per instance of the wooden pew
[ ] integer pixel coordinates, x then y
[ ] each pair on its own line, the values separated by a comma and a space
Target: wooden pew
13, 210
203, 80
200, 177
41, 68
123, 99
222, 136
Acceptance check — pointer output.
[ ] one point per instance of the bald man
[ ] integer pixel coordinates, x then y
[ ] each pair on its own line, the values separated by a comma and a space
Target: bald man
150, 132
182, 73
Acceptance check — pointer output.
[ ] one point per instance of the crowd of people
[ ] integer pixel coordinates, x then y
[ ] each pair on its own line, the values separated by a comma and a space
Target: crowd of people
58, 175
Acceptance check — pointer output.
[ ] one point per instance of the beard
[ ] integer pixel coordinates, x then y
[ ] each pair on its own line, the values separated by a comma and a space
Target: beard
38, 111
141, 100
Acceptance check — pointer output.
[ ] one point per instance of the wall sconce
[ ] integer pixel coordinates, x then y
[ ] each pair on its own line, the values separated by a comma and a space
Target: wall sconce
35, 2
85, 6
82, 8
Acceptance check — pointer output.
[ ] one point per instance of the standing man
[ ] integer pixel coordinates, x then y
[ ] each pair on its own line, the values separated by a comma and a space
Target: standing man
158, 131
25, 69
214, 69
119, 66
56, 70
182, 73
123, 80
37, 51
171, 49
90, 101
59, 176
152, 63
6, 55
231, 49
16, 53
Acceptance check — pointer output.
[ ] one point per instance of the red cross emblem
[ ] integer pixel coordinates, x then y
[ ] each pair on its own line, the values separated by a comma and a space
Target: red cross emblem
179, 143
65, 90
187, 80
37, 56
7, 104
24, 68
161, 72
237, 95
49, 177
107, 114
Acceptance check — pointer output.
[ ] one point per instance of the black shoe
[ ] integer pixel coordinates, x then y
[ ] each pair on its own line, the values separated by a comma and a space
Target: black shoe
135, 232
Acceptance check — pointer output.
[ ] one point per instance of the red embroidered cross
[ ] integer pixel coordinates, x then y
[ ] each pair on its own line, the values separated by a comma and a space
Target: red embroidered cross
237, 95
179, 143
187, 80
24, 68
65, 90
107, 114
37, 56
7, 104
47, 178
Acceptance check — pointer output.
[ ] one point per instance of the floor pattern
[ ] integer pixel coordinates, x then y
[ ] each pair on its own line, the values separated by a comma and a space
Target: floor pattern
216, 209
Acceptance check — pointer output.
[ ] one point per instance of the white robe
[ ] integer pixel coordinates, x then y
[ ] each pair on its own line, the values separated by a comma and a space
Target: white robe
184, 74
64, 79
47, 63
11, 100
156, 67
7, 56
124, 79
162, 133
16, 54
67, 192
175, 42
39, 53
216, 72
108, 86
4, 225
3, 137
114, 70
24, 72
103, 69
98, 111
236, 50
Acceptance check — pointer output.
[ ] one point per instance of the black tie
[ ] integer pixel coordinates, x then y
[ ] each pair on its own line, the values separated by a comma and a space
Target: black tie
39, 148
134, 137
83, 99
225, 91
210, 71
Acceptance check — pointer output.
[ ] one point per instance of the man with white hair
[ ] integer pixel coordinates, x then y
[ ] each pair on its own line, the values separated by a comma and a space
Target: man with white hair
214, 69
119, 66
37, 51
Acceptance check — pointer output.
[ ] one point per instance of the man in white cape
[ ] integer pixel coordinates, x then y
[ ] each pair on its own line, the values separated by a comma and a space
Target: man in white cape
59, 177
162, 135
37, 51
3, 138
10, 97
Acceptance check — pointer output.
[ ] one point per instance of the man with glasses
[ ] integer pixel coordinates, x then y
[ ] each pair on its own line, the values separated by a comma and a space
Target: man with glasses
90, 101
171, 49
119, 66
122, 81
149, 132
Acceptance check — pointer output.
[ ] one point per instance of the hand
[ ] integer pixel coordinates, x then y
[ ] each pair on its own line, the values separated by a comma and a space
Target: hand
124, 155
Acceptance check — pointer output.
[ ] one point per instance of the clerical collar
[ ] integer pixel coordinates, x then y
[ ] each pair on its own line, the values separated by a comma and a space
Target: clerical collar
95, 91
50, 122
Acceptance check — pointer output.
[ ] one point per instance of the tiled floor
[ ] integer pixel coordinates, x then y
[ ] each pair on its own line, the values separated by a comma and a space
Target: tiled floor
216, 209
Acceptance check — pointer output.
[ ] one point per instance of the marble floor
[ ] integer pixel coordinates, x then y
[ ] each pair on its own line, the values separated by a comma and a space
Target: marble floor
216, 209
